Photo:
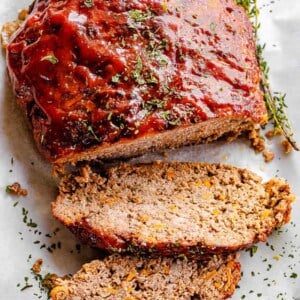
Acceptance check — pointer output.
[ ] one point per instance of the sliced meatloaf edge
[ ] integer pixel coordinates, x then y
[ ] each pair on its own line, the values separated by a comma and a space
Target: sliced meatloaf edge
118, 277
173, 208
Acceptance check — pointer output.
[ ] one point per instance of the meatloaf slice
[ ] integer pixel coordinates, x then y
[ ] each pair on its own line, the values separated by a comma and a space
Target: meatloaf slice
172, 208
117, 78
116, 278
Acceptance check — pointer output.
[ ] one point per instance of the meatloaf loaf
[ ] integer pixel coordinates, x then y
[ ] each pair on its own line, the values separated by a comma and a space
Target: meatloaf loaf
117, 78
121, 278
172, 208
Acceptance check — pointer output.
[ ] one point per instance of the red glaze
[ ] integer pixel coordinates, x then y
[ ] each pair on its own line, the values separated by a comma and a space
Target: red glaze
88, 73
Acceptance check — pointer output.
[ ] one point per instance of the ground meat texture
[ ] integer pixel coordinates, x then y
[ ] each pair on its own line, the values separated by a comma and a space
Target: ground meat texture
172, 208
287, 147
268, 155
110, 78
128, 277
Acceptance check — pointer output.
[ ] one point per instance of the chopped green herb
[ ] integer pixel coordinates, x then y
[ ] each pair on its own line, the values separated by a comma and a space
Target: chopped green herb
139, 15
91, 130
252, 250
31, 224
155, 103
89, 3
137, 73
27, 285
155, 51
51, 58
152, 79
212, 26
109, 116
294, 275
116, 78
172, 120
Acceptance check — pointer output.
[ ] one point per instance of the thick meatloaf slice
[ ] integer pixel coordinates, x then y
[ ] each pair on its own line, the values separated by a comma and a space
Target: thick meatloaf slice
120, 278
117, 78
172, 208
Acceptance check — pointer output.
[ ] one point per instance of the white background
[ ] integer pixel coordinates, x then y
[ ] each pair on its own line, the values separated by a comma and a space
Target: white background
263, 276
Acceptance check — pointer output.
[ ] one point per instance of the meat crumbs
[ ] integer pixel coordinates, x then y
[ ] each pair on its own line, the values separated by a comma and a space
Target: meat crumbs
16, 189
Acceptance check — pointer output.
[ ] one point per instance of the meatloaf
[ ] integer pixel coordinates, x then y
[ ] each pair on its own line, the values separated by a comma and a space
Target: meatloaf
173, 208
114, 78
120, 278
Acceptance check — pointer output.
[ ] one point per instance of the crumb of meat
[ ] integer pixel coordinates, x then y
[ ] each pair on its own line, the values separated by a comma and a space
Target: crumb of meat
49, 282
287, 147
23, 14
268, 155
36, 268
270, 134
9, 28
58, 170
257, 142
61, 293
16, 189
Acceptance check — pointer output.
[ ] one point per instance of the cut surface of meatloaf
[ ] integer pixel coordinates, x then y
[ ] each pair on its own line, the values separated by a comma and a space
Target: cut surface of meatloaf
119, 278
114, 78
172, 208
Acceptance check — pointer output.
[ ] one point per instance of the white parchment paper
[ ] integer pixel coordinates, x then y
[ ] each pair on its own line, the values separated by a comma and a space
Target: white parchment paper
274, 270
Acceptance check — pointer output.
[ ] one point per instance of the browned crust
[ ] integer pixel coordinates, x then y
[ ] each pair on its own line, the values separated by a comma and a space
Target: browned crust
279, 199
204, 132
119, 244
233, 270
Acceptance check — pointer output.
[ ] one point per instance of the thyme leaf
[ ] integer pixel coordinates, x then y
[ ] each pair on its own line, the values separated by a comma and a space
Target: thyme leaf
89, 3
91, 130
275, 102
51, 58
139, 15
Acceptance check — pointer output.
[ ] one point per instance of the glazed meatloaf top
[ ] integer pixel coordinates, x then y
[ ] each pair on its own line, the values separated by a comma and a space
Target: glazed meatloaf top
129, 278
94, 73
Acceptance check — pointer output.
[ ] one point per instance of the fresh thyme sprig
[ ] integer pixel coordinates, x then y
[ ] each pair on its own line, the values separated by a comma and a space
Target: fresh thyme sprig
275, 102
251, 8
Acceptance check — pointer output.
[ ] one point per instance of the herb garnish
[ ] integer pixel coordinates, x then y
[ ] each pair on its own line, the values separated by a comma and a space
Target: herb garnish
252, 250
51, 58
91, 130
275, 102
139, 16
294, 275
170, 118
27, 285
89, 3
154, 103
137, 73
116, 78
155, 51
212, 26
